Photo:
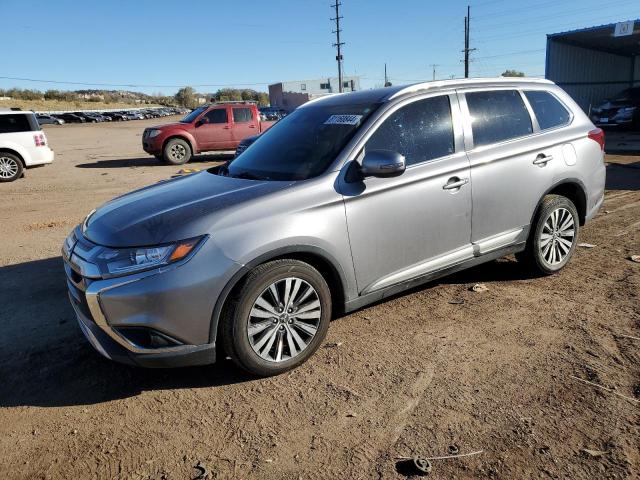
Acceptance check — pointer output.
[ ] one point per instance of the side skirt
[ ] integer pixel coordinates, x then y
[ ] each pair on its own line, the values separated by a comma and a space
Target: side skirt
378, 295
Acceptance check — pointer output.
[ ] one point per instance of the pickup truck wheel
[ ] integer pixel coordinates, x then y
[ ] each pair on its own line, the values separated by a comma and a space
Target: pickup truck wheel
10, 167
278, 317
177, 152
553, 237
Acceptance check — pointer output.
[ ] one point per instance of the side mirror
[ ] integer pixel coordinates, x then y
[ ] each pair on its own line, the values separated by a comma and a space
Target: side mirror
382, 163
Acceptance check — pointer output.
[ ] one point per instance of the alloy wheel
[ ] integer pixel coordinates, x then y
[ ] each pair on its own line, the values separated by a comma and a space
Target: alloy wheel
284, 319
557, 236
177, 152
8, 167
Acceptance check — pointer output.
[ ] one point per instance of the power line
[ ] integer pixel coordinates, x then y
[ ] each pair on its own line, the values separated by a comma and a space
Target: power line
338, 43
132, 85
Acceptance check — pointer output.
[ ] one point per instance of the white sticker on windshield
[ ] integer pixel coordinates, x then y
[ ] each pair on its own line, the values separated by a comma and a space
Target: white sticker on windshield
343, 120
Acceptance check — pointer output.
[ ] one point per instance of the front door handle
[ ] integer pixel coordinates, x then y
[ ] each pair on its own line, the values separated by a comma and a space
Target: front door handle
542, 159
455, 183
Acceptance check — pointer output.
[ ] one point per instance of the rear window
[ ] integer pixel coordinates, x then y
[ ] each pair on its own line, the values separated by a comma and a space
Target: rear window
497, 116
15, 123
241, 115
548, 109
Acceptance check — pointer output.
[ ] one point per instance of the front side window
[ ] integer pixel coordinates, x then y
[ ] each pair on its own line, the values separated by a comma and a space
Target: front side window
420, 131
548, 110
241, 115
218, 115
302, 145
497, 116
14, 123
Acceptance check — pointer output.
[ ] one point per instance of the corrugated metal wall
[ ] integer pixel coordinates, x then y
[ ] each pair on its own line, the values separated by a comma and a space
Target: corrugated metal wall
568, 65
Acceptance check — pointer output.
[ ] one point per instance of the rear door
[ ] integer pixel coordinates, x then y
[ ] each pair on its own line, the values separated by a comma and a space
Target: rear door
245, 123
512, 165
215, 133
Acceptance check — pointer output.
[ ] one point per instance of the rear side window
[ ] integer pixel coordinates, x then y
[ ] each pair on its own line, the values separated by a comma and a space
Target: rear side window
14, 123
497, 116
549, 111
219, 115
420, 131
241, 115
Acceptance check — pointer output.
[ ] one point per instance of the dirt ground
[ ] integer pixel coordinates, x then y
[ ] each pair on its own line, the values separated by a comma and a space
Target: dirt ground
436, 370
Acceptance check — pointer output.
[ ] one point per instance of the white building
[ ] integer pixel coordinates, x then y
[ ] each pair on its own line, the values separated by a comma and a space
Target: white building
289, 95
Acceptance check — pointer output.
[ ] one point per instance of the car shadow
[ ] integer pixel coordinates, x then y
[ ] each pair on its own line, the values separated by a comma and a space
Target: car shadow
623, 176
45, 360
153, 162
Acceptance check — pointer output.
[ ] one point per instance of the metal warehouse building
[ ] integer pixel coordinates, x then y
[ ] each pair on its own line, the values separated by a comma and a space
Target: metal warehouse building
593, 64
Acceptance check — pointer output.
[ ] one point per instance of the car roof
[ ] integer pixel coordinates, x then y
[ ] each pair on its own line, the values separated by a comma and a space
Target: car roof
379, 95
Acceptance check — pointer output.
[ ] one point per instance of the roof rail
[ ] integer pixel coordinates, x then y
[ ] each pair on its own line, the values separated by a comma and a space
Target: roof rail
220, 102
465, 82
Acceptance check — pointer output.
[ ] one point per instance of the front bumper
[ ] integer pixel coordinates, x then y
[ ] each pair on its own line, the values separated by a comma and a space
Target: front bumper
153, 145
169, 308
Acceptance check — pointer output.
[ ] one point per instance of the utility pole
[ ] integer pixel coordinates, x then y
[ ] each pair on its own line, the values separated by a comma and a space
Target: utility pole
434, 65
467, 50
387, 83
338, 43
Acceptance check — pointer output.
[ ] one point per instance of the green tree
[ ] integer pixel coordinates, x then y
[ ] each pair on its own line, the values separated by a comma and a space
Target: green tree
186, 97
513, 73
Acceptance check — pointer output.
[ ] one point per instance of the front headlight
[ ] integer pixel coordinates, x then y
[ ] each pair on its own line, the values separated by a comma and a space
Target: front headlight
154, 133
121, 261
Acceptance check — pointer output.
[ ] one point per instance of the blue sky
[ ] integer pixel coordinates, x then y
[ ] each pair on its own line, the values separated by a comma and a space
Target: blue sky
158, 45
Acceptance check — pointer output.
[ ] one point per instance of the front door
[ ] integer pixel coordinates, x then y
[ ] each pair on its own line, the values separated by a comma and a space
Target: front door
420, 221
213, 130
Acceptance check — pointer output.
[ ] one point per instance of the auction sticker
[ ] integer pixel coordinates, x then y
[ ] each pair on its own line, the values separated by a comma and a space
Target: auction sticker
343, 120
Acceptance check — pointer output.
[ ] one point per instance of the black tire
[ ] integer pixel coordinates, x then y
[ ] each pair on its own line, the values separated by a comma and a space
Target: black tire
176, 152
533, 257
235, 316
11, 167
160, 158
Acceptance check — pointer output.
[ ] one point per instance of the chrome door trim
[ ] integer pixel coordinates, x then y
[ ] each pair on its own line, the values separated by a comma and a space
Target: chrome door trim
422, 268
495, 242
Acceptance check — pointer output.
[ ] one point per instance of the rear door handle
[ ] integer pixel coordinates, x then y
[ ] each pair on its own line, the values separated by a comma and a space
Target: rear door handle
252, 126
542, 159
454, 183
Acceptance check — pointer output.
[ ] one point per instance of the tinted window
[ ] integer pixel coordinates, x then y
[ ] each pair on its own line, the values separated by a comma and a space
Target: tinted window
497, 116
14, 123
549, 111
301, 145
420, 131
219, 115
241, 115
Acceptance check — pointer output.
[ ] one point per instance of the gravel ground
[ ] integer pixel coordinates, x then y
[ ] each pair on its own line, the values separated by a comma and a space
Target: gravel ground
439, 369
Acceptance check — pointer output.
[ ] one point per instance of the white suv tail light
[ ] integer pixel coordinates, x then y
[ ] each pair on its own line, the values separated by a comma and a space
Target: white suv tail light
40, 140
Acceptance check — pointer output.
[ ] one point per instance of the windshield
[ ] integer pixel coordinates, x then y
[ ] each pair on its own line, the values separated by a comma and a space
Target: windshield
302, 145
193, 115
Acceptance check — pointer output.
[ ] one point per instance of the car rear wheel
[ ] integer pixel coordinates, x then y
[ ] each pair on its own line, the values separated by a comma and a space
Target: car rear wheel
10, 167
177, 152
278, 317
554, 236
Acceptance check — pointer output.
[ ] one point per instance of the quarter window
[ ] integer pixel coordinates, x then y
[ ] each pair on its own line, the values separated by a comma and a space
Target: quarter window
420, 131
497, 116
241, 115
219, 115
14, 123
549, 111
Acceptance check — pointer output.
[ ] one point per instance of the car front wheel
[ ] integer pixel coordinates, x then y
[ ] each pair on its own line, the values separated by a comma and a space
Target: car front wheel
278, 317
177, 152
554, 236
10, 167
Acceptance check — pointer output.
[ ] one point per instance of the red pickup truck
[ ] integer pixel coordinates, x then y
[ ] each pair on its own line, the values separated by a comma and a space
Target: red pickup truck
218, 126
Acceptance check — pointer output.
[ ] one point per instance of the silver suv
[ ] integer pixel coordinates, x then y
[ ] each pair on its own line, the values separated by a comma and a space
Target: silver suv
346, 201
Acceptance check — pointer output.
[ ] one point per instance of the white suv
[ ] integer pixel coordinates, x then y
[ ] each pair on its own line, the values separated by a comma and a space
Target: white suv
23, 144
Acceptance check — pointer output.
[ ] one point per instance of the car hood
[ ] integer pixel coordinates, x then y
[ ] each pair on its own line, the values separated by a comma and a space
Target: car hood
171, 210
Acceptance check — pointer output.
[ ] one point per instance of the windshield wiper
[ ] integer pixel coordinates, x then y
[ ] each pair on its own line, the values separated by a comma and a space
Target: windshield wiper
248, 176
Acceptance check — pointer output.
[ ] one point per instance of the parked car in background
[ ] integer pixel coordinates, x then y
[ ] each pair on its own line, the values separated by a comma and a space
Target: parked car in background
23, 144
273, 113
622, 111
348, 200
44, 119
70, 117
218, 126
